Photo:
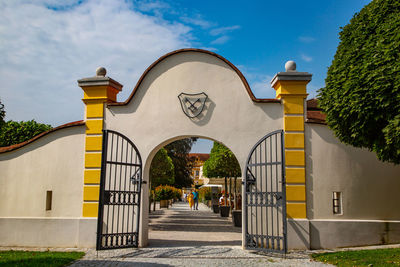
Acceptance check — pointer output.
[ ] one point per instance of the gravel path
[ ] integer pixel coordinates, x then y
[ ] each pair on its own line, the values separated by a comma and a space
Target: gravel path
179, 236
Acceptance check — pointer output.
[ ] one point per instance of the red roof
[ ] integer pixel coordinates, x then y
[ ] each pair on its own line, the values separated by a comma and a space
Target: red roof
314, 113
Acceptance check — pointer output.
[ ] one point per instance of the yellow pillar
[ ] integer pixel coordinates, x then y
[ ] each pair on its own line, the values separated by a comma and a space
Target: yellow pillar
97, 91
290, 86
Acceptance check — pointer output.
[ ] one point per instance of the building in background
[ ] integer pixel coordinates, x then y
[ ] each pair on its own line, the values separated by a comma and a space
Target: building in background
197, 169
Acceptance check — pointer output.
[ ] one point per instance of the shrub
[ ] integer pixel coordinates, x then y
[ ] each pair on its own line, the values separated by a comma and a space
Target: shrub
165, 192
205, 193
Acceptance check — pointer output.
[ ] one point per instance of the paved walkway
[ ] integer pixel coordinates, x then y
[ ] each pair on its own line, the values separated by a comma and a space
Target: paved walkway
180, 226
179, 236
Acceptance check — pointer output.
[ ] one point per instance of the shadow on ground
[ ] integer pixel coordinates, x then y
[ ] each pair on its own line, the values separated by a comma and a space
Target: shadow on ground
90, 263
155, 243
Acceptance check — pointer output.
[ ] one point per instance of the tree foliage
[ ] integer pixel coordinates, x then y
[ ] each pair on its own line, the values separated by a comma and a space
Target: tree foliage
14, 132
2, 115
222, 163
362, 94
178, 151
161, 169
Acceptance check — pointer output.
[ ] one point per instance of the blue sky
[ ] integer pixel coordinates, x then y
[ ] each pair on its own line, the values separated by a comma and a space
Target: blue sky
46, 45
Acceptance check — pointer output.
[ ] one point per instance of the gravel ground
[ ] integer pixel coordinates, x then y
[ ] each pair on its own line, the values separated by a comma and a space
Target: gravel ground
191, 256
179, 236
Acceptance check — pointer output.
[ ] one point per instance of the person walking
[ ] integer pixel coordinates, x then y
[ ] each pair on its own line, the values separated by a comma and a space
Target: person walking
196, 199
190, 199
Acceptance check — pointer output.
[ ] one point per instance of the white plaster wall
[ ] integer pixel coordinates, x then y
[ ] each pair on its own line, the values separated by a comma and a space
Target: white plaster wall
370, 188
154, 117
53, 162
48, 232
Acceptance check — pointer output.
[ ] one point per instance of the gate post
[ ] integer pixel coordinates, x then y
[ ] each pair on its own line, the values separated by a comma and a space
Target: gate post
290, 86
97, 91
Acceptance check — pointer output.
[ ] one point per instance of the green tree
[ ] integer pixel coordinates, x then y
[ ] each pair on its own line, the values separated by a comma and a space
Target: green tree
14, 132
361, 98
2, 115
178, 151
161, 169
221, 163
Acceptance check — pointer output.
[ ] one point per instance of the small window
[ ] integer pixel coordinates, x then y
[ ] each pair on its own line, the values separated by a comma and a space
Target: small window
337, 202
49, 199
197, 173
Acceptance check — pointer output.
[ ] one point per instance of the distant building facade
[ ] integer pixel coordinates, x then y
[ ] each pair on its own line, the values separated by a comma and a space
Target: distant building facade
198, 160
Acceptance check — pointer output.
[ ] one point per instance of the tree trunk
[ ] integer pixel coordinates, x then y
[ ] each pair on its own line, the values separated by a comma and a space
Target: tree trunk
226, 190
230, 191
154, 201
235, 196
150, 197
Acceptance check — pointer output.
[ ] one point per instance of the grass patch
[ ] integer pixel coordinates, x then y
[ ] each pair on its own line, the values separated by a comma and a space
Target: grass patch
38, 258
375, 257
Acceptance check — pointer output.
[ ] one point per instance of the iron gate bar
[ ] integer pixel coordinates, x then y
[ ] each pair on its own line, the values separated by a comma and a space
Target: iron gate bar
120, 157
263, 164
266, 205
122, 163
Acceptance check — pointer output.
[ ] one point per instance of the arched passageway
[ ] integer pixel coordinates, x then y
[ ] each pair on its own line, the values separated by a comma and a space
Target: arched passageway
180, 224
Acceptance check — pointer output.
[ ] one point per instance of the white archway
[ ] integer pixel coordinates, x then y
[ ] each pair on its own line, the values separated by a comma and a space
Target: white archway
153, 114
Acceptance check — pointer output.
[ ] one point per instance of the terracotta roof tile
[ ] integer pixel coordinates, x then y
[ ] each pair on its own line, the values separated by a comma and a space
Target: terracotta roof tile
314, 113
312, 104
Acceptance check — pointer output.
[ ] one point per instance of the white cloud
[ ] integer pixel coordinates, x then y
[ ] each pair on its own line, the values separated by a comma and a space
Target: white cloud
306, 58
197, 20
261, 86
306, 39
220, 40
151, 6
45, 47
224, 30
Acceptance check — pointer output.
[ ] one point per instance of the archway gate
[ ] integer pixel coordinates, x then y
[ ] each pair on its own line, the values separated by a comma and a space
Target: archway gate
265, 195
192, 92
120, 191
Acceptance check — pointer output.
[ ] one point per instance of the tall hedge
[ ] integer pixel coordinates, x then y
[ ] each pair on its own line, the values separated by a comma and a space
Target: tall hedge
361, 97
13, 132
2, 114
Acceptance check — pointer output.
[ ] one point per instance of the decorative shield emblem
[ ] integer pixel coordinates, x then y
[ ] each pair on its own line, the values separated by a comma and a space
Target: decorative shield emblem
192, 104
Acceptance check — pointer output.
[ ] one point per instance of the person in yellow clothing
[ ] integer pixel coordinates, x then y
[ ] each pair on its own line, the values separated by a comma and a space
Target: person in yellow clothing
191, 201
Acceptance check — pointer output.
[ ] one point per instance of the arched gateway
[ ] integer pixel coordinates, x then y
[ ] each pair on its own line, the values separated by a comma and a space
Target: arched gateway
186, 93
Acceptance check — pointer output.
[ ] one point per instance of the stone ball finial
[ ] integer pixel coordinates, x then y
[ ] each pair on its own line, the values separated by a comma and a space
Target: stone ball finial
100, 71
290, 66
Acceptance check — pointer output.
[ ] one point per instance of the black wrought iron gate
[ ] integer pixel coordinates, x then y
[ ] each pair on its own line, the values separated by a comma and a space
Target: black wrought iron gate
120, 190
265, 195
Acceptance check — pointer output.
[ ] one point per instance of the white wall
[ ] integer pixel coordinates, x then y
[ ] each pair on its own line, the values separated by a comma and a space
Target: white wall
370, 188
53, 162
